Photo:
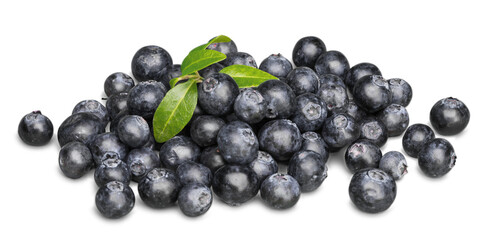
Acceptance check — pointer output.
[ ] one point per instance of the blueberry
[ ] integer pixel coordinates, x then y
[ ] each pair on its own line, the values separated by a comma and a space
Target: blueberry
235, 184
372, 190
208, 71
204, 130
280, 191
115, 121
104, 143
118, 83
239, 58
116, 104
358, 71
79, 127
333, 92
372, 93
112, 169
75, 160
211, 158
93, 107
394, 163
178, 150
437, 157
280, 138
114, 199
362, 154
373, 130
141, 161
280, 98
264, 165
145, 97
224, 47
195, 199
339, 130
217, 94
401, 91
303, 80
355, 111
312, 141
191, 172
134, 131
310, 113
332, 62
309, 169
449, 116
35, 129
415, 137
149, 63
395, 118
237, 143
276, 65
250, 106
160, 188
171, 72
307, 50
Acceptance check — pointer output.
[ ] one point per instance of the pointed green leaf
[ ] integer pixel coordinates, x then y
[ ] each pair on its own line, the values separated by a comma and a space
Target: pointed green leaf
175, 110
246, 76
199, 58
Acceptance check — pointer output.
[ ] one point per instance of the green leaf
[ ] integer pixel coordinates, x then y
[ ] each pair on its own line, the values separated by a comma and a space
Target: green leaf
199, 58
246, 76
175, 110
218, 39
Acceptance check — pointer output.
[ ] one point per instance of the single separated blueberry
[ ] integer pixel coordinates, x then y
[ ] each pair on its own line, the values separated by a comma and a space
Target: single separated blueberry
394, 163
134, 131
178, 150
312, 141
195, 199
358, 71
237, 143
250, 106
373, 130
264, 165
362, 154
415, 137
333, 92
449, 116
114, 199
280, 191
141, 161
310, 113
160, 188
191, 172
144, 98
105, 143
332, 62
239, 58
112, 169
401, 91
309, 169
75, 160
93, 107
276, 65
118, 82
204, 130
35, 129
217, 93
79, 127
280, 98
116, 104
372, 190
303, 80
437, 157
396, 119
212, 159
372, 93
235, 184
149, 63
307, 50
280, 138
339, 130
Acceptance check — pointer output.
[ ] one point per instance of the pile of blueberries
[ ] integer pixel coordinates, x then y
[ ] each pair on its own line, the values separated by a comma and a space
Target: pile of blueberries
237, 137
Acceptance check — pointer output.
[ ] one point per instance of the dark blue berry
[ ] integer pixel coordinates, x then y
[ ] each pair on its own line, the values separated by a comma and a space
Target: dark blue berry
235, 184
115, 121
307, 50
372, 190
178, 150
372, 93
449, 116
217, 94
79, 127
415, 137
118, 83
280, 191
208, 71
149, 63
145, 97
116, 104
195, 199
312, 141
280, 98
280, 138
224, 47
309, 169
310, 113
75, 160
332, 62
394, 163
204, 130
211, 158
358, 71
250, 106
401, 91
355, 111
104, 143
339, 130
171, 72
191, 172
333, 92
239, 58
93, 107
303, 80
160, 188
362, 154
276, 65
237, 143
141, 161
373, 130
35, 129
134, 131
396, 119
112, 169
437, 157
264, 165
115, 199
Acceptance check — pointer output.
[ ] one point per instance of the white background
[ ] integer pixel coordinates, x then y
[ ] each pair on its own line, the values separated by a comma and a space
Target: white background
55, 54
